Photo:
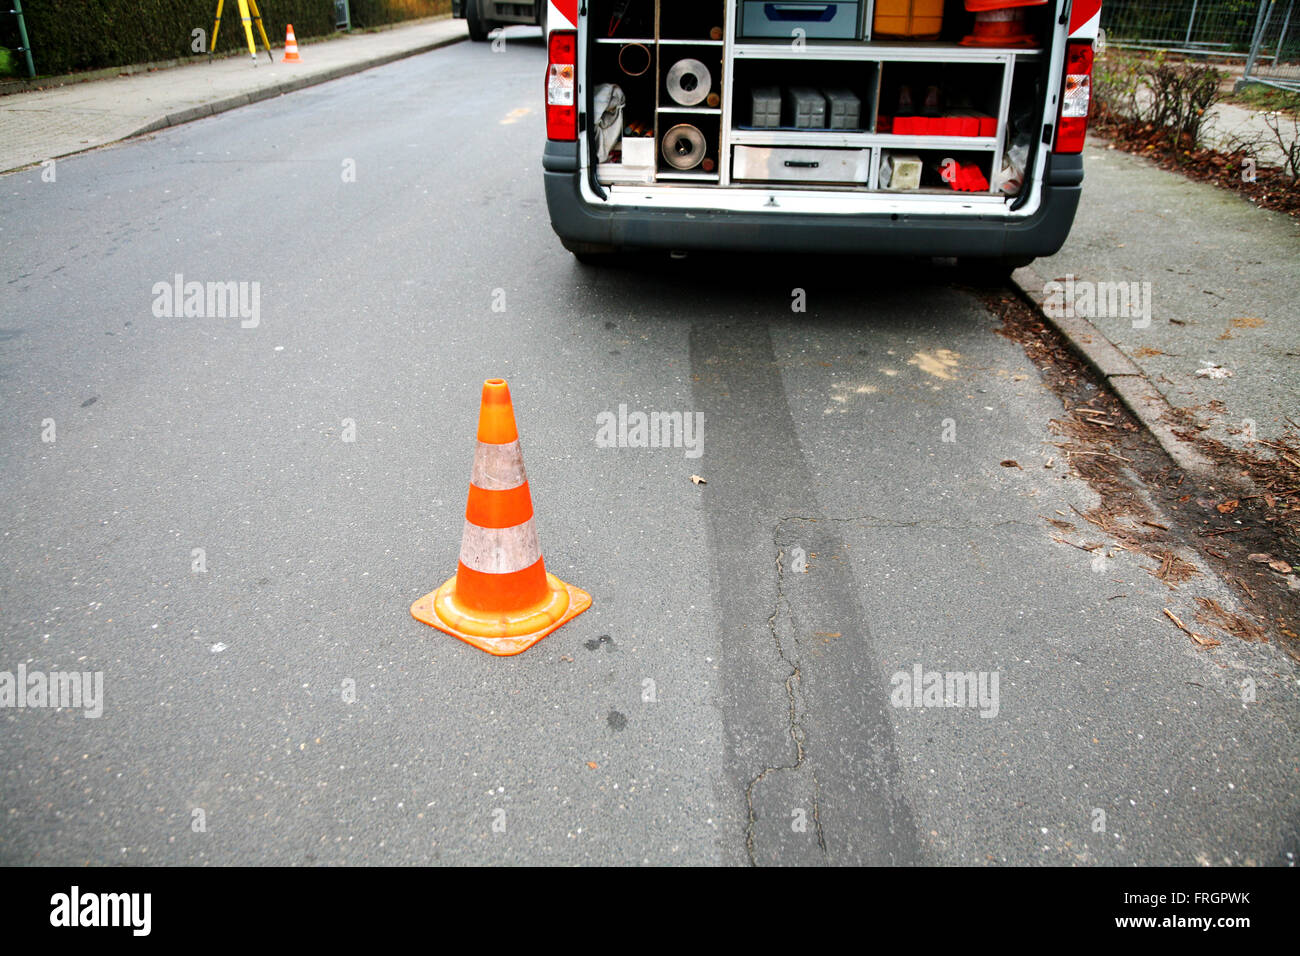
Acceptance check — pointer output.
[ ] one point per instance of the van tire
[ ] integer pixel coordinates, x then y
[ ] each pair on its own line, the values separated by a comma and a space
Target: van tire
478, 27
543, 8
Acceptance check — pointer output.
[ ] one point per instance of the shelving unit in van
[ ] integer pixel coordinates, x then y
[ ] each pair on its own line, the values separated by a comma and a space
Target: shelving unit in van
754, 50
679, 96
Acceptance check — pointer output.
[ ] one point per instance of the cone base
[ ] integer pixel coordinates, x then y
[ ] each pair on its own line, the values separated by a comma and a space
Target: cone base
496, 635
1022, 40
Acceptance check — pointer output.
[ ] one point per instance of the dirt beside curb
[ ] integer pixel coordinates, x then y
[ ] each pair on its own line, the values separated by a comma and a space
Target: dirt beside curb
1151, 505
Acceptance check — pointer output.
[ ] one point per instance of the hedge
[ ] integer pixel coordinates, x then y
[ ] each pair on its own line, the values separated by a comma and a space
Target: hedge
70, 35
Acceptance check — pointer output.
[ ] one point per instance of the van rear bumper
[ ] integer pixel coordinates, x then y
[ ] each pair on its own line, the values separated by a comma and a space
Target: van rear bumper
637, 227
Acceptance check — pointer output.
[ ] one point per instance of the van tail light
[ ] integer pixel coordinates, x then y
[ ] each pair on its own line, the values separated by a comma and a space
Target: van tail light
1076, 97
562, 86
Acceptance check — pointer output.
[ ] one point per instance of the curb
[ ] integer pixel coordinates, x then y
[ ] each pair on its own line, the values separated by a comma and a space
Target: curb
58, 80
1119, 372
265, 93
285, 86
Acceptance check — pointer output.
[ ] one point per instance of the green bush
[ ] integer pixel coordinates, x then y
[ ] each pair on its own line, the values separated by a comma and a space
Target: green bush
69, 35
376, 13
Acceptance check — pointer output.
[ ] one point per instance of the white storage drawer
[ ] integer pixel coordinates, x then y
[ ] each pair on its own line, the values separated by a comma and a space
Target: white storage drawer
800, 164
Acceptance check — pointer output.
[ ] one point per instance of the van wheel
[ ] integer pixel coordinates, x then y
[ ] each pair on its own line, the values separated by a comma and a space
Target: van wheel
478, 27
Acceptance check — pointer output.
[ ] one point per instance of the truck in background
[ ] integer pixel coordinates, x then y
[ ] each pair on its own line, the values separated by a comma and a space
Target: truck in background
484, 16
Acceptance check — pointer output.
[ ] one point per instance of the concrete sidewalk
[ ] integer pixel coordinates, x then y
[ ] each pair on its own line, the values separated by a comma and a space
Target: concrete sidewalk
45, 124
1221, 277
1229, 125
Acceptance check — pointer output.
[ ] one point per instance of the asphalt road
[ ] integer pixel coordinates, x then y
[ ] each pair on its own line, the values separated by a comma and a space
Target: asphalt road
728, 697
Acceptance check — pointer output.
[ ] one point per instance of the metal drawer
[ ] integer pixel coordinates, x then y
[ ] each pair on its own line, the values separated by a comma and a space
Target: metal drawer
836, 19
802, 165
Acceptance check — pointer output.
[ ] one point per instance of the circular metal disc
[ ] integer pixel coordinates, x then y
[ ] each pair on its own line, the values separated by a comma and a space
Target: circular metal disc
689, 82
683, 147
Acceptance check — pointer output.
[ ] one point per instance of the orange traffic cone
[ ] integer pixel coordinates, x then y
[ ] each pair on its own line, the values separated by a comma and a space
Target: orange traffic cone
290, 47
1000, 23
501, 600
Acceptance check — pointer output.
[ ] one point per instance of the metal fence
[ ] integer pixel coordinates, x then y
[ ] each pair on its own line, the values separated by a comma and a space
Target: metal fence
1275, 53
1263, 33
1196, 27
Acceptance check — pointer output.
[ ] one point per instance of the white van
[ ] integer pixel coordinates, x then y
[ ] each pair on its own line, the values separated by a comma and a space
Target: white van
906, 127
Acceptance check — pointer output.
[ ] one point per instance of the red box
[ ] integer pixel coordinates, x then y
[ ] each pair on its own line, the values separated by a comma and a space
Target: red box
971, 124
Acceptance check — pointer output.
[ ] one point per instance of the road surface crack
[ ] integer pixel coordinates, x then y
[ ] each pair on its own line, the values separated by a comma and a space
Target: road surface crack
794, 716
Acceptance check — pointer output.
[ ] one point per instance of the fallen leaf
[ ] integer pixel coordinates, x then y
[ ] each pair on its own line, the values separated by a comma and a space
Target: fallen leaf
1228, 507
696, 479
1259, 558
1011, 463
1280, 566
592, 764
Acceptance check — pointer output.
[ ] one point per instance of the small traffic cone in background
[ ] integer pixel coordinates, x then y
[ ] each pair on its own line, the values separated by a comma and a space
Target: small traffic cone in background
290, 47
501, 600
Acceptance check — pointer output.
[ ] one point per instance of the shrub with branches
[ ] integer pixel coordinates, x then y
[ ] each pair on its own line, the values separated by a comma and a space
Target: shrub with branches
1285, 132
1116, 81
1181, 96
1172, 98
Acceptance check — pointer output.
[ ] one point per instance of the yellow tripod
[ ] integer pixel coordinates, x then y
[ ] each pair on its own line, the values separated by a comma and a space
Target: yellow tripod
244, 7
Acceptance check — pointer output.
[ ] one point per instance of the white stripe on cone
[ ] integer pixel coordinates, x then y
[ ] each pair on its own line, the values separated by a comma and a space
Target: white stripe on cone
500, 550
498, 467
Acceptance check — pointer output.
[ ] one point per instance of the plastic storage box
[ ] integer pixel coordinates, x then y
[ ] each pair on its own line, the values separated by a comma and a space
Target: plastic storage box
805, 108
639, 151
834, 20
900, 171
844, 109
767, 107
907, 19
955, 124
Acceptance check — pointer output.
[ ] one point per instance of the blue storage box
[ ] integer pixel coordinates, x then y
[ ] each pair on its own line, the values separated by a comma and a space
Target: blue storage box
834, 20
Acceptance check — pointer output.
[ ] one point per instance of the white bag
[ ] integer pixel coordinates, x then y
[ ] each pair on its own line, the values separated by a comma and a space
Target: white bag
608, 104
